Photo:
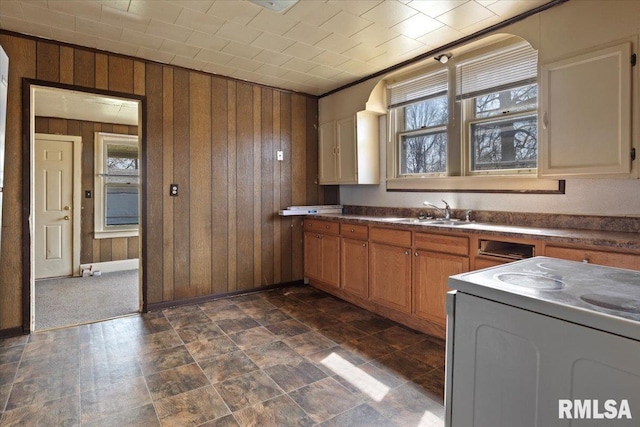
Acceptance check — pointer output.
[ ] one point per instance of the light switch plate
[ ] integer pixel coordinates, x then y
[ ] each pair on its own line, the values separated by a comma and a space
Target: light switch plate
280, 155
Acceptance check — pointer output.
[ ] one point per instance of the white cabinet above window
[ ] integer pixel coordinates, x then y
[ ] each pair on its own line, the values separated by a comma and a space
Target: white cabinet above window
348, 150
586, 114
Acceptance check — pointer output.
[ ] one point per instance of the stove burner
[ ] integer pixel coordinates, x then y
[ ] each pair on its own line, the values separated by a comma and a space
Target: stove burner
531, 281
614, 303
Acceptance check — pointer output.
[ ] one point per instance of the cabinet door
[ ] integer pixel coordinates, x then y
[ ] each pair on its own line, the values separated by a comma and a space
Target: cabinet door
610, 259
330, 256
391, 276
355, 267
327, 153
347, 151
312, 256
431, 271
586, 115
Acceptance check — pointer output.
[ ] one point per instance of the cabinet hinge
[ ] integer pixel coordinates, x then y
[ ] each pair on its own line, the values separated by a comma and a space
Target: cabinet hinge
633, 60
633, 154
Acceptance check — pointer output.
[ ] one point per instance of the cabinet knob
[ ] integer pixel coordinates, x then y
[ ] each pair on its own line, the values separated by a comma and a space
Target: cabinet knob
326, 226
352, 230
415, 254
318, 236
586, 261
406, 252
364, 245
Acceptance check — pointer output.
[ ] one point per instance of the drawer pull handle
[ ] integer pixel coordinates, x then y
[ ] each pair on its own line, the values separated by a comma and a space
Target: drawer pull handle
586, 261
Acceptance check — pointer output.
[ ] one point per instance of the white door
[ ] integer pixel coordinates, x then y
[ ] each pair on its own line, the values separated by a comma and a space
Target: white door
53, 208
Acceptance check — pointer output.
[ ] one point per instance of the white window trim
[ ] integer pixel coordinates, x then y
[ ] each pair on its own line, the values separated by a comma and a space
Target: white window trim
100, 231
458, 176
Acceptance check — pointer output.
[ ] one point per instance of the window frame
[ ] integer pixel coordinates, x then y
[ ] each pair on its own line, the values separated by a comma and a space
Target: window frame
101, 230
459, 177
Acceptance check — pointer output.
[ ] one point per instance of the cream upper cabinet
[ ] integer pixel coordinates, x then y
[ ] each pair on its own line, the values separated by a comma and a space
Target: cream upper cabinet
585, 115
348, 150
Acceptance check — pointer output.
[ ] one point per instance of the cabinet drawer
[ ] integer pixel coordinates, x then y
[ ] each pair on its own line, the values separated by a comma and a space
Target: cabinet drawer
611, 259
320, 226
354, 231
457, 245
392, 237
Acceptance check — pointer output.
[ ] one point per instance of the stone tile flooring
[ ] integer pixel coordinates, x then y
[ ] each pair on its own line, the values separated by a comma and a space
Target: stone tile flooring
288, 357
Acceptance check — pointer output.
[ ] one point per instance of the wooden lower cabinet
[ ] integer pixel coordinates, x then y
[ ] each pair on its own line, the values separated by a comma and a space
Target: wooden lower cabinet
390, 277
431, 271
354, 277
611, 259
322, 258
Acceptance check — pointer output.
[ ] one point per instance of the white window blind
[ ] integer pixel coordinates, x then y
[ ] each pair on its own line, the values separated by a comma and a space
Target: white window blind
417, 89
517, 65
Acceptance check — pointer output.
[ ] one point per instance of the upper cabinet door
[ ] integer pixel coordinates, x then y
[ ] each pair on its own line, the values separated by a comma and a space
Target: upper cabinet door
347, 155
327, 153
585, 115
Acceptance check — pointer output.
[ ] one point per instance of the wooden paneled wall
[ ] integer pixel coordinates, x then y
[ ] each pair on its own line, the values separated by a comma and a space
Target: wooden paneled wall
92, 250
215, 137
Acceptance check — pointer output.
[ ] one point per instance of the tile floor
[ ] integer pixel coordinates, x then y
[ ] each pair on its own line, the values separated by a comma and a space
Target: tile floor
288, 357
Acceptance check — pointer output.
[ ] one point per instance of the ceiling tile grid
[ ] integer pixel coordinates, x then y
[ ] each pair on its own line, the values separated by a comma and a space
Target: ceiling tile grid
313, 47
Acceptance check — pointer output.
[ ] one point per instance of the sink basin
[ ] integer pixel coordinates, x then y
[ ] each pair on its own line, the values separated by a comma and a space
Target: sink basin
394, 219
447, 222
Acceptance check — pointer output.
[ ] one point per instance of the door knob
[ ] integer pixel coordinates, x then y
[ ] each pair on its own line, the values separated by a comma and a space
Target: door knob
67, 218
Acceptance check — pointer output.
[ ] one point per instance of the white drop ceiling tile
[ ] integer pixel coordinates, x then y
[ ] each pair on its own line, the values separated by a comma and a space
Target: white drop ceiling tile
389, 13
244, 64
297, 77
346, 24
271, 70
179, 48
299, 65
221, 70
277, 82
116, 4
242, 50
117, 47
156, 9
434, 8
465, 15
273, 58
375, 35
330, 59
401, 44
272, 22
191, 63
272, 42
45, 16
141, 39
87, 9
486, 3
482, 24
241, 12
356, 67
441, 36
417, 26
511, 8
206, 41
356, 7
73, 37
11, 8
169, 31
312, 12
337, 43
238, 33
98, 29
324, 72
155, 55
117, 17
365, 52
247, 76
306, 33
202, 6
199, 21
213, 56
26, 27
303, 51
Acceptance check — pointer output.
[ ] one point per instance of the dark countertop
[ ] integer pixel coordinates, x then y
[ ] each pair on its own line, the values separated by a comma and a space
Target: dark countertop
614, 239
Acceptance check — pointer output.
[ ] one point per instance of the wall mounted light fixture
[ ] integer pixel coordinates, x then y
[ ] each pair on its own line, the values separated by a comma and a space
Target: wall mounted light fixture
444, 58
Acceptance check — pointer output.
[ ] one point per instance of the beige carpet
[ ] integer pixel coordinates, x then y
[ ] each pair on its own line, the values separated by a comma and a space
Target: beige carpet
78, 300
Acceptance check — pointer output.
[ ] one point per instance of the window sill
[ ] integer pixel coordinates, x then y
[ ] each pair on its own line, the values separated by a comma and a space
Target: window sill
479, 184
115, 234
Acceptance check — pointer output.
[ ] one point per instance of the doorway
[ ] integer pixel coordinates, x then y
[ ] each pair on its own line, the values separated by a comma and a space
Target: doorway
77, 275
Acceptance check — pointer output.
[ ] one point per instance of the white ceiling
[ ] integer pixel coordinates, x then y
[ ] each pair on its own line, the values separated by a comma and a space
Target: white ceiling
67, 104
314, 47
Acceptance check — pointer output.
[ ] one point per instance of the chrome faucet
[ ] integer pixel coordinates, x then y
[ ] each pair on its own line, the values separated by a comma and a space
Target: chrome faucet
446, 211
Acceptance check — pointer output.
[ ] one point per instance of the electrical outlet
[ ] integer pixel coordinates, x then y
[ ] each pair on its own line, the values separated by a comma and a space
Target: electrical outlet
280, 155
173, 190
87, 194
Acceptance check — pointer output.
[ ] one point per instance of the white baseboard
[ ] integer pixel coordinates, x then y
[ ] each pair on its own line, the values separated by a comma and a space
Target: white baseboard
111, 266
